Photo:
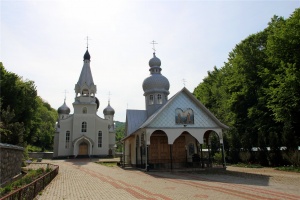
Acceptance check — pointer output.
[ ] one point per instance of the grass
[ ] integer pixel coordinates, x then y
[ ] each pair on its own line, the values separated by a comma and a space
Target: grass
289, 169
247, 165
28, 178
108, 164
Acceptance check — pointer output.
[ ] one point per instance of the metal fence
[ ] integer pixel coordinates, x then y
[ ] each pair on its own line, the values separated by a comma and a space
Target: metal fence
157, 164
31, 190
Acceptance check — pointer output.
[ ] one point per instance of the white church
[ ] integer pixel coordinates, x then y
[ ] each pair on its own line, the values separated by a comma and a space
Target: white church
84, 133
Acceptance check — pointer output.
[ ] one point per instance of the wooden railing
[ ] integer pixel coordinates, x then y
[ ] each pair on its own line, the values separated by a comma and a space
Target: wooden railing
31, 190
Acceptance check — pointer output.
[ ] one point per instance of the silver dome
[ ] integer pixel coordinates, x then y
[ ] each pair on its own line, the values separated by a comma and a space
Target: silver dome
154, 62
156, 83
64, 109
108, 110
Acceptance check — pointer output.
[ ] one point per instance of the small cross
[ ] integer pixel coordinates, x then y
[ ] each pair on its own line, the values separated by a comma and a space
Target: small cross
153, 43
183, 81
109, 94
66, 94
87, 41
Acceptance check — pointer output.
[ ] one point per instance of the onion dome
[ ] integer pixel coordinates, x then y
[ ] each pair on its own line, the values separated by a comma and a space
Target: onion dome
97, 102
155, 61
108, 110
64, 109
156, 82
87, 55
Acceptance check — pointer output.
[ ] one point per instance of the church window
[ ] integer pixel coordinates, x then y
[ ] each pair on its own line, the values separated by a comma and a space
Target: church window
84, 110
159, 99
67, 140
151, 99
83, 127
85, 92
100, 139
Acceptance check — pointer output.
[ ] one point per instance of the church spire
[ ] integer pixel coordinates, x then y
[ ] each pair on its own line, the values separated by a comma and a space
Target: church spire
85, 85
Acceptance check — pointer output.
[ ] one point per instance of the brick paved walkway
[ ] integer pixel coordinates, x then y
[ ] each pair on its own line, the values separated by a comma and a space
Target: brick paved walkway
81, 179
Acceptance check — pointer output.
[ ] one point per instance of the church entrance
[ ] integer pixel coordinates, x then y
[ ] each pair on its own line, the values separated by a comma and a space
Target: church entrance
159, 149
83, 149
179, 151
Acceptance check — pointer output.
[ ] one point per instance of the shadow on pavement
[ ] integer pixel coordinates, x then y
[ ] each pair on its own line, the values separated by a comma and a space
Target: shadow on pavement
231, 177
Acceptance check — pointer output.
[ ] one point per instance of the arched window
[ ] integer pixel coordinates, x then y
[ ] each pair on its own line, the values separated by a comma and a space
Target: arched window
84, 110
99, 139
159, 99
151, 99
67, 145
83, 127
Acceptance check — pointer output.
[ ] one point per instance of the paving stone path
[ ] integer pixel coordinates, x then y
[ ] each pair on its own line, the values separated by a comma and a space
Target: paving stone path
83, 179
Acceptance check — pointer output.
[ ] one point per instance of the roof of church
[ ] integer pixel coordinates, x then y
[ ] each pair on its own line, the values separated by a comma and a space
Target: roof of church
87, 55
188, 93
64, 109
137, 119
86, 73
108, 110
155, 82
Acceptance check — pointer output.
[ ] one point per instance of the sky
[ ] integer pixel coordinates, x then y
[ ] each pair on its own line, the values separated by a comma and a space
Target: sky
44, 41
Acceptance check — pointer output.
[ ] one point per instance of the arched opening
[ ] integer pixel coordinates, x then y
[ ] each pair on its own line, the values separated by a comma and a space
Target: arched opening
159, 150
85, 92
213, 152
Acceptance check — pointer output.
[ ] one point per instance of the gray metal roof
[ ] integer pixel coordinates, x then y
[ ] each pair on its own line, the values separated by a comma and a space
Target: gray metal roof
134, 119
86, 74
191, 96
64, 109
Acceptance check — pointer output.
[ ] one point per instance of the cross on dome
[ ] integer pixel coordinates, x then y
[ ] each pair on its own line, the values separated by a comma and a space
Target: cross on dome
87, 41
153, 43
183, 81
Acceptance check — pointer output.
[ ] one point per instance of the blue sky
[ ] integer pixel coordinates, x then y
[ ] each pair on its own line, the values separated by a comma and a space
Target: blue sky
44, 41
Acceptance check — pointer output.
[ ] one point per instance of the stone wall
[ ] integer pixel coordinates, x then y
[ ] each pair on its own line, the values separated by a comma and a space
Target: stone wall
10, 161
43, 155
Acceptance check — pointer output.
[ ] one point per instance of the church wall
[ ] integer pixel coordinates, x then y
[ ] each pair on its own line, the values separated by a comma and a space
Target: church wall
78, 108
65, 125
101, 125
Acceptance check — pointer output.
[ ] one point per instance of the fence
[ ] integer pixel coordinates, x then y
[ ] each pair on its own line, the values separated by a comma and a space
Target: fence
157, 164
31, 190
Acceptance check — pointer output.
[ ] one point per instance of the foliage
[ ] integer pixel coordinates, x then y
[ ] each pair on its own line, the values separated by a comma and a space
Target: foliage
28, 178
247, 165
31, 148
25, 117
120, 132
108, 164
218, 158
256, 93
289, 169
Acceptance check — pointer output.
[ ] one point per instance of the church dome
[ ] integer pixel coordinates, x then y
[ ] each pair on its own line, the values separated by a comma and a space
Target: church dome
64, 109
155, 61
87, 55
156, 83
108, 110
